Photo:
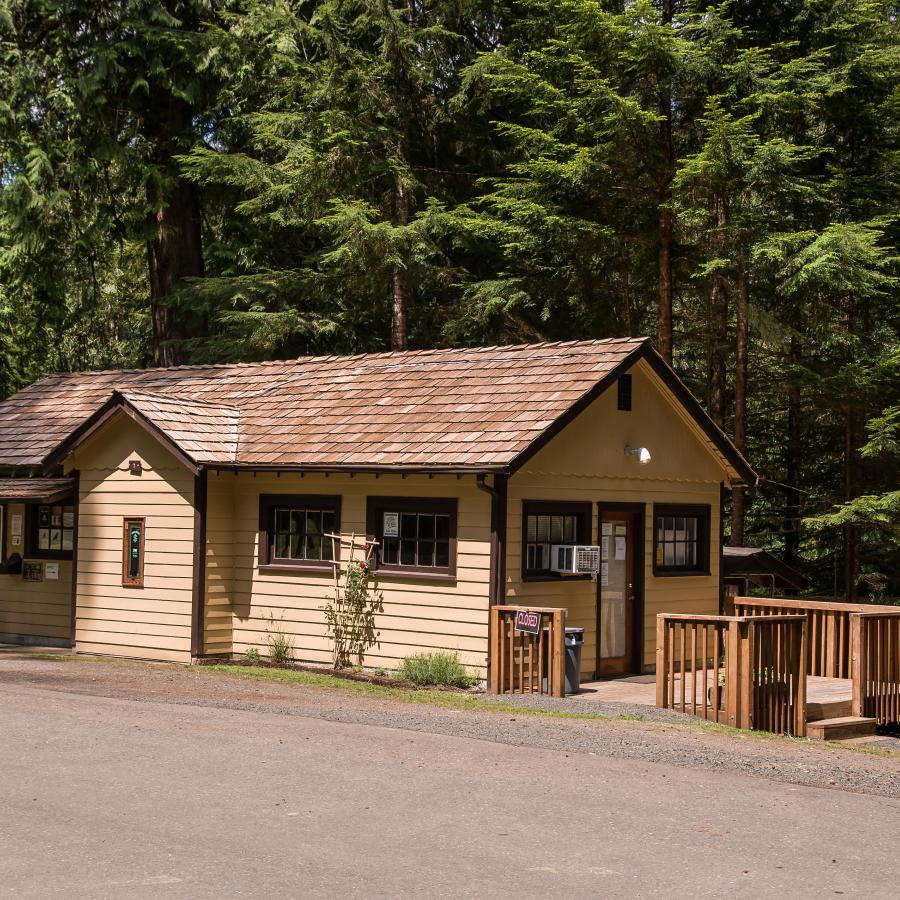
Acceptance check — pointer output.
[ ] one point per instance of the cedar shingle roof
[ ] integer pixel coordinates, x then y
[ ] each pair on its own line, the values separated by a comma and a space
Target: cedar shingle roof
435, 409
206, 432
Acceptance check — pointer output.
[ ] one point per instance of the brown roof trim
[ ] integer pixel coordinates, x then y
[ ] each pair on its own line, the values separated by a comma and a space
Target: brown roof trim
386, 469
117, 403
667, 375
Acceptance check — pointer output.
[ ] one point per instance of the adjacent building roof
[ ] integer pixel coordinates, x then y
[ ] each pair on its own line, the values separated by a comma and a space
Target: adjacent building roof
483, 409
35, 490
760, 567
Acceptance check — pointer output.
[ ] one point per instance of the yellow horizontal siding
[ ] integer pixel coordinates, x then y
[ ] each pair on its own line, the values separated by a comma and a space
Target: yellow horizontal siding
153, 621
419, 615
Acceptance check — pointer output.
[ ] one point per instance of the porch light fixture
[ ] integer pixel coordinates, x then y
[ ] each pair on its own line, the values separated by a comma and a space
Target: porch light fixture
641, 454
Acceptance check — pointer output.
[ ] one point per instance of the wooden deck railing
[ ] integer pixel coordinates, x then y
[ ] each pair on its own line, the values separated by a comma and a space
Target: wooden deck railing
523, 663
828, 648
875, 641
744, 671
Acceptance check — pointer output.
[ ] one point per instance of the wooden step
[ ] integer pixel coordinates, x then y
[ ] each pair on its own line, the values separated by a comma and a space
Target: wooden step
828, 709
840, 728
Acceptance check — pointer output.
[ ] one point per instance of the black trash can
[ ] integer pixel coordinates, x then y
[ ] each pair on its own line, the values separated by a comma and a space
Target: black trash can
574, 644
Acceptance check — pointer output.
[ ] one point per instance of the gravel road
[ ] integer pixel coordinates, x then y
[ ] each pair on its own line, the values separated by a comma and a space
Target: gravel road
136, 782
665, 739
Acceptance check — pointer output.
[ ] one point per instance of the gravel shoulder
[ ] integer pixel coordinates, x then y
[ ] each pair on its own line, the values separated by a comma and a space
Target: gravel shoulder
640, 733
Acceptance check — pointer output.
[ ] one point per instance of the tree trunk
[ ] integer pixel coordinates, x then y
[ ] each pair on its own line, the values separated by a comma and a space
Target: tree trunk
174, 252
739, 494
853, 437
717, 342
792, 464
666, 217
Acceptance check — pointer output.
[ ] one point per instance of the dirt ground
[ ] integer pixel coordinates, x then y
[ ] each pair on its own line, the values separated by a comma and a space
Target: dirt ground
669, 739
129, 780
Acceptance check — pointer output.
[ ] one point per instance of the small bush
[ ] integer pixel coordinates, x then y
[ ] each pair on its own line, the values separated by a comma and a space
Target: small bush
252, 656
281, 644
443, 669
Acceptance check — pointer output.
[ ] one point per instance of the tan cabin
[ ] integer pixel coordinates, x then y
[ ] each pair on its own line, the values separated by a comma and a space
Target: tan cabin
172, 514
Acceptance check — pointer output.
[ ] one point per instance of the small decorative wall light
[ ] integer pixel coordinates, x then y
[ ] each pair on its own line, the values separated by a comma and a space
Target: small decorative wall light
641, 454
135, 467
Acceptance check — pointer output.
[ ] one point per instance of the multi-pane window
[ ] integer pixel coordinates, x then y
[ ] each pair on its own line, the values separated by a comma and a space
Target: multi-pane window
302, 533
416, 539
294, 530
546, 525
414, 534
681, 539
52, 530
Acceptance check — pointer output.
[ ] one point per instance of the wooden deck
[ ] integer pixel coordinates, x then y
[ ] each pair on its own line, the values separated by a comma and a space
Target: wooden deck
641, 690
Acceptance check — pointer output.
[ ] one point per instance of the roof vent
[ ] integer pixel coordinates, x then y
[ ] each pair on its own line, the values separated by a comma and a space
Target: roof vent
624, 402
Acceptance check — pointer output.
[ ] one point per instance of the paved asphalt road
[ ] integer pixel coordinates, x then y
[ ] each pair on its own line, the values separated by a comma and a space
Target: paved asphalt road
105, 797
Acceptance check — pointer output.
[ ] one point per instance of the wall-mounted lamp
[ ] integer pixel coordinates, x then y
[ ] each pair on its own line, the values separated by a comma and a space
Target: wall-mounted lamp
135, 467
641, 454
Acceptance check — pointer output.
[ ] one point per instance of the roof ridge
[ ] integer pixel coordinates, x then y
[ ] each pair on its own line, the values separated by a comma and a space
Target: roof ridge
425, 351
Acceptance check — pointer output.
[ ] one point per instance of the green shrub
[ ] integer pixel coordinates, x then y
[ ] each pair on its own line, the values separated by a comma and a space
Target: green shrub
252, 656
281, 644
443, 669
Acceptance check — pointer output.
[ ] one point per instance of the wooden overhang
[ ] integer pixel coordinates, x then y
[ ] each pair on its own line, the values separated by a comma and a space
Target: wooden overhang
36, 490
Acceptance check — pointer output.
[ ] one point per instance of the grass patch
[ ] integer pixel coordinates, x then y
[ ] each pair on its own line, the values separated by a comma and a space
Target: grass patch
439, 669
441, 699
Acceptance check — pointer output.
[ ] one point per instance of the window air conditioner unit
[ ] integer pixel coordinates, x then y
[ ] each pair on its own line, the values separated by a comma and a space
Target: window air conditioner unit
567, 559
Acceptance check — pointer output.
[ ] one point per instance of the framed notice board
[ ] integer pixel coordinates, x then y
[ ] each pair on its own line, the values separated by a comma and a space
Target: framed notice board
33, 571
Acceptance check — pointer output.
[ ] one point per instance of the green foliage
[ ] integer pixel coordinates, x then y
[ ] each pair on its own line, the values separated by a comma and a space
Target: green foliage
281, 644
495, 172
350, 616
436, 669
252, 656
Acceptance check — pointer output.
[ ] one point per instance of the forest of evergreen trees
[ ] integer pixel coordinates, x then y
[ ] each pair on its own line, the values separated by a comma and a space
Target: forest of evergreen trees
223, 180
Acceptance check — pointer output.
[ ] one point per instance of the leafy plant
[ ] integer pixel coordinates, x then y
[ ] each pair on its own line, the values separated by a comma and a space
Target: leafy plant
443, 669
281, 644
350, 616
252, 656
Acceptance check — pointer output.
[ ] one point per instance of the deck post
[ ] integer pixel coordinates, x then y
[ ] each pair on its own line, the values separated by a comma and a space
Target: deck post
494, 664
558, 653
800, 725
733, 689
748, 679
858, 665
662, 662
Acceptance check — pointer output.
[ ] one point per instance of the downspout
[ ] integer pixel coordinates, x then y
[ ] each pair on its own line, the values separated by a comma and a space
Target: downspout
497, 583
722, 496
198, 598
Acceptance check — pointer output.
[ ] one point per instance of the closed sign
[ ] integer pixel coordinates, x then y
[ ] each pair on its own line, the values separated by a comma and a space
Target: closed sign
528, 621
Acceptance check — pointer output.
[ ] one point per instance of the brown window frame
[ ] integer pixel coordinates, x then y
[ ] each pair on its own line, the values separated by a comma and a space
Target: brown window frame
32, 527
703, 513
376, 506
583, 533
4, 514
268, 503
127, 522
